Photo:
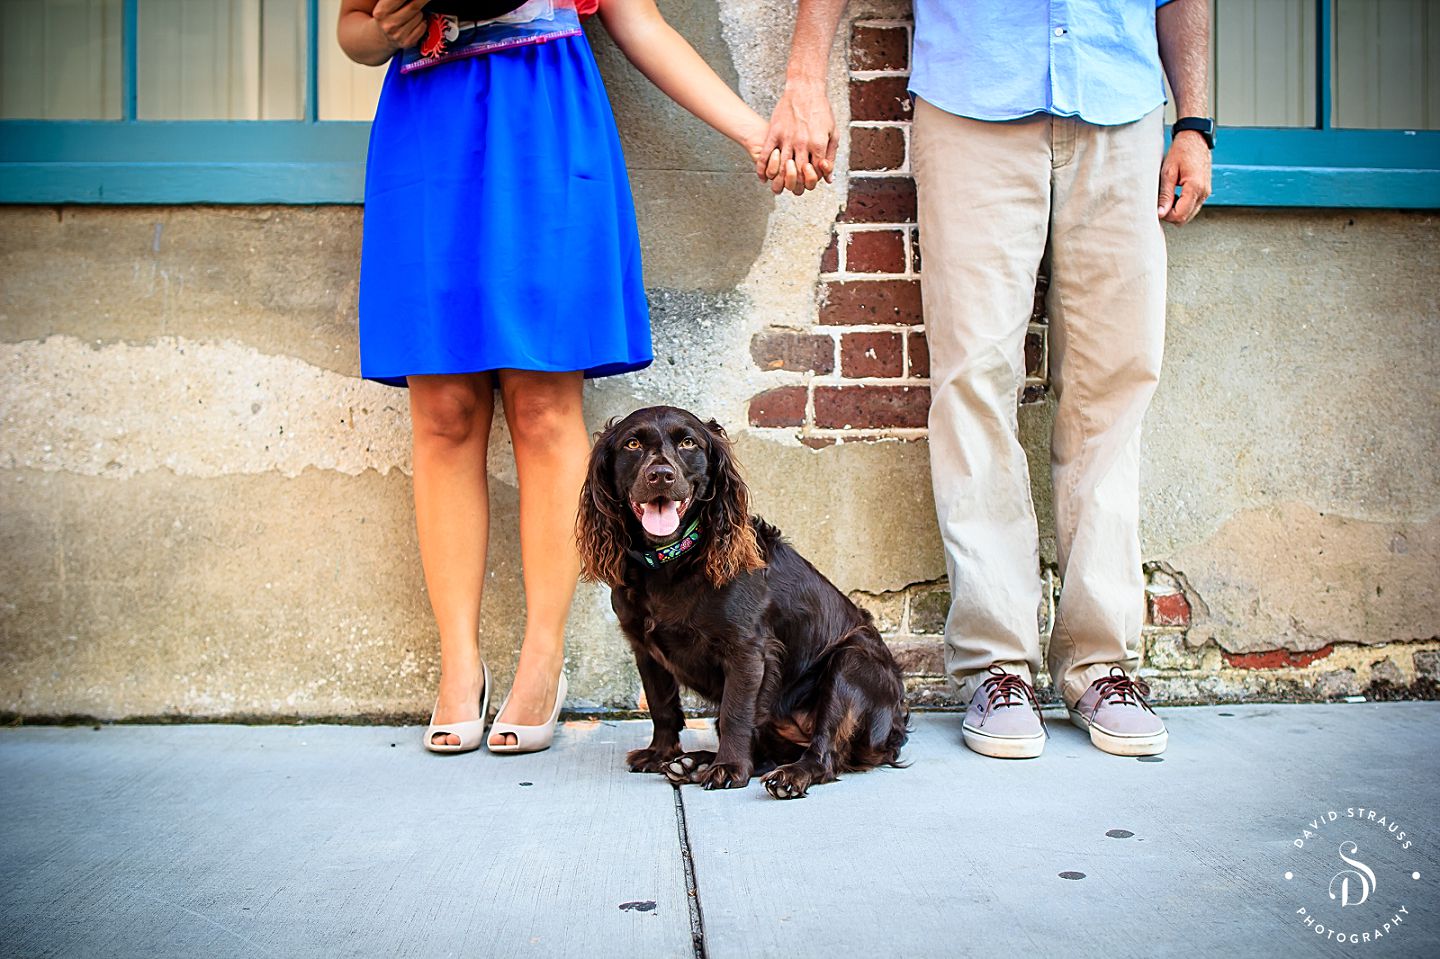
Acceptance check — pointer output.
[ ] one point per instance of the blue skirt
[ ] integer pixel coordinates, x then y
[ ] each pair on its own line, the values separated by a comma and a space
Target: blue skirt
499, 226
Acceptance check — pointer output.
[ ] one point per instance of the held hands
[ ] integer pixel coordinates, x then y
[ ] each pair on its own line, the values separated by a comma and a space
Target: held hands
1188, 165
798, 147
780, 176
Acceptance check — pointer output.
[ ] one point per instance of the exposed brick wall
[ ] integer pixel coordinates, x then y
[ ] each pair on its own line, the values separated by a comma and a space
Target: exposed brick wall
862, 372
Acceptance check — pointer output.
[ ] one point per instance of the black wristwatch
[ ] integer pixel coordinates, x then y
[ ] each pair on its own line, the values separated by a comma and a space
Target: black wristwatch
1204, 126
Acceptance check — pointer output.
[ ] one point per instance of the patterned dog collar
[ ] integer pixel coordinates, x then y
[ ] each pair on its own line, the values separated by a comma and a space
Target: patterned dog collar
654, 558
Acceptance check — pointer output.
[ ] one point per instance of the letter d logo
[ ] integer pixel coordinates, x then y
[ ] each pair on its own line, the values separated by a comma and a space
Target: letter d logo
1361, 874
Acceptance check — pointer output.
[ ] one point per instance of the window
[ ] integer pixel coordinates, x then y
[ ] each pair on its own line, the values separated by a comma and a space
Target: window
180, 101
1350, 121
252, 101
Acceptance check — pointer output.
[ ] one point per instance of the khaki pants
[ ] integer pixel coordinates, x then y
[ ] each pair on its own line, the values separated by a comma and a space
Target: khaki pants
991, 196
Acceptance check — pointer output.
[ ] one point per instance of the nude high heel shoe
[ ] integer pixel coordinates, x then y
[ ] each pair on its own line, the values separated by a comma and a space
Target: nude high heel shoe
530, 739
471, 732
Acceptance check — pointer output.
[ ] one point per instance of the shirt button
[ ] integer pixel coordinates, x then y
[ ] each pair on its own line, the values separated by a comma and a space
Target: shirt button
1059, 31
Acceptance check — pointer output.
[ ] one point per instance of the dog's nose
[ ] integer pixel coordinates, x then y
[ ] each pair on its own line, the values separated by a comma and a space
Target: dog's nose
660, 474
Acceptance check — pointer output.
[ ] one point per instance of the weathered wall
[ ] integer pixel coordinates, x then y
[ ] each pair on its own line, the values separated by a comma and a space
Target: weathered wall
204, 513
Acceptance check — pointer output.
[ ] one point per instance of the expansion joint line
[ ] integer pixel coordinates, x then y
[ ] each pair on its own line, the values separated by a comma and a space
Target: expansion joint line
692, 890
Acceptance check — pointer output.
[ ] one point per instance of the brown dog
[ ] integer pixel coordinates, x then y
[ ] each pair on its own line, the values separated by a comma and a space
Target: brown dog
714, 598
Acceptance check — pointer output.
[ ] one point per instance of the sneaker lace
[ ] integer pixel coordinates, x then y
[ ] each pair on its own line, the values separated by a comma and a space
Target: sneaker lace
1007, 689
1122, 689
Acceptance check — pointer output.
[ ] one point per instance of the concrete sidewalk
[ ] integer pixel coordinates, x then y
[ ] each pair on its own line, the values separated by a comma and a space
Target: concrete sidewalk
220, 841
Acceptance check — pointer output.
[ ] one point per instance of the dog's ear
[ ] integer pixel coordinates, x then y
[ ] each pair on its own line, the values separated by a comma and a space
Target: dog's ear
731, 547
600, 523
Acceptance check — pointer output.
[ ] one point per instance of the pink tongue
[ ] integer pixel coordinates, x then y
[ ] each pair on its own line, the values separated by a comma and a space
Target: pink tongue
660, 519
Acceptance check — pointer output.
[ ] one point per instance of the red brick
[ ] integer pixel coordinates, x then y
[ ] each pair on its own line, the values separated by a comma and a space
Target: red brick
877, 148
884, 98
782, 406
798, 352
876, 251
870, 301
922, 657
830, 259
915, 253
871, 354
886, 199
1169, 609
871, 407
1035, 354
818, 442
879, 48
1276, 658
919, 356
1034, 393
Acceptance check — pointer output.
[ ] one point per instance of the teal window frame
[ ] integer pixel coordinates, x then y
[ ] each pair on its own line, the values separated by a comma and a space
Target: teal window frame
314, 161
1322, 166
130, 160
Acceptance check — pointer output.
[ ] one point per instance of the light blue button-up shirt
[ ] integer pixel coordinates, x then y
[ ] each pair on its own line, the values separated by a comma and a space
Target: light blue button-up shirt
1003, 59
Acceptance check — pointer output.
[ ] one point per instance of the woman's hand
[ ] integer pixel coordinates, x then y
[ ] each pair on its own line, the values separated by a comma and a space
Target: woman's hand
402, 21
370, 31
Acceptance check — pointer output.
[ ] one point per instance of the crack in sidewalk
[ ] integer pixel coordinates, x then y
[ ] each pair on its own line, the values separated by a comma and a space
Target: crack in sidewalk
692, 889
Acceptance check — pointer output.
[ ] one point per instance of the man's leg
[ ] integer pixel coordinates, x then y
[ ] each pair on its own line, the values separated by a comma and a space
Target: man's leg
984, 192
1107, 330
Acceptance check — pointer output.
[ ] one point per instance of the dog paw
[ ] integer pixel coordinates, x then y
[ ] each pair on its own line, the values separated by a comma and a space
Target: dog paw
724, 776
788, 782
688, 767
650, 760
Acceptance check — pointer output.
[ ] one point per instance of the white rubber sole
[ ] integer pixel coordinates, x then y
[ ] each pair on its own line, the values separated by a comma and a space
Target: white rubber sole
1118, 745
1003, 747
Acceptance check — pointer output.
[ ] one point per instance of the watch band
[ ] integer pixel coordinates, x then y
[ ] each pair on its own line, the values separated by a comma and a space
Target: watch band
1205, 126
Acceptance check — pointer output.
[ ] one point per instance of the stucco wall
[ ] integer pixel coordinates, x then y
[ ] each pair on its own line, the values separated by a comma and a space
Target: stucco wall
204, 513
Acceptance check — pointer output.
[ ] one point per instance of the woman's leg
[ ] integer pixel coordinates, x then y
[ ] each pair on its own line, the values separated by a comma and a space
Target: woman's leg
547, 427
450, 418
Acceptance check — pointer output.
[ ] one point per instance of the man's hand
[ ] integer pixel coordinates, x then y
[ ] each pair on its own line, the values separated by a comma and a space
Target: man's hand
402, 21
802, 130
1188, 166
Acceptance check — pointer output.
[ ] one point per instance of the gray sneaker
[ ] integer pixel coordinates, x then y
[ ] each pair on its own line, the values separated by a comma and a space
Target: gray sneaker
1117, 717
1004, 718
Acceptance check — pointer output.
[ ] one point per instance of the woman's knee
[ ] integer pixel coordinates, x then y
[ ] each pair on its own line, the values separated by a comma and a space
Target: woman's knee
447, 411
544, 409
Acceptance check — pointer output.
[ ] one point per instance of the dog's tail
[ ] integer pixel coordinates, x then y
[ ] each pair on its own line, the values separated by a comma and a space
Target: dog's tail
884, 684
899, 732
899, 736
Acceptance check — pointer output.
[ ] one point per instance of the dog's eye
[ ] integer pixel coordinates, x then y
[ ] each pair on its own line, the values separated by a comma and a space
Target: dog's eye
632, 444
688, 443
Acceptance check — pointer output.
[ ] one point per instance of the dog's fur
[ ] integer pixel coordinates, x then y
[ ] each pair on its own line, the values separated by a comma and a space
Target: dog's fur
805, 685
